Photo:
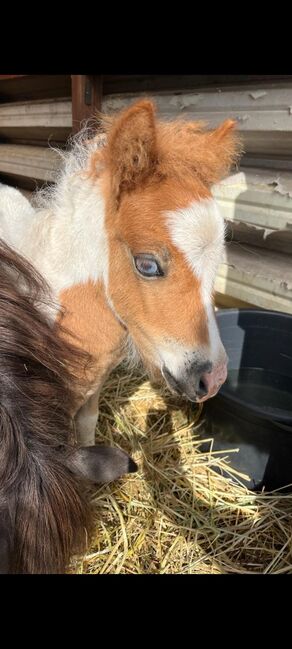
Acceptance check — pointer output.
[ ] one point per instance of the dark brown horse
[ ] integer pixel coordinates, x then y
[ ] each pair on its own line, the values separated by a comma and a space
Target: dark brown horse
45, 514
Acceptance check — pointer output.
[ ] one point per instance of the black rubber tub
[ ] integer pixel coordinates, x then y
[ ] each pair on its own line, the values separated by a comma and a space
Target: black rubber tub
253, 410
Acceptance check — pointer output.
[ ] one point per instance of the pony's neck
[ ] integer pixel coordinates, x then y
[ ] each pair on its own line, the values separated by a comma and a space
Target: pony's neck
70, 245
75, 263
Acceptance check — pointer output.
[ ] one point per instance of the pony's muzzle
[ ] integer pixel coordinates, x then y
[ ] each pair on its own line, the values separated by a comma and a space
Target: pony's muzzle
199, 382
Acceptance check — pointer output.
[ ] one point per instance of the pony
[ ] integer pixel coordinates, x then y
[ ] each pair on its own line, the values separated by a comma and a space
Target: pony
129, 239
45, 513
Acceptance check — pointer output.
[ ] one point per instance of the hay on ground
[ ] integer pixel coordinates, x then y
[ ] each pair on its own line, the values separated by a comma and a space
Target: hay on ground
177, 514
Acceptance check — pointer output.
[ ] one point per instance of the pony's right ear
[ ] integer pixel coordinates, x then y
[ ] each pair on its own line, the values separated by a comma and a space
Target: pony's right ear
226, 146
102, 464
131, 151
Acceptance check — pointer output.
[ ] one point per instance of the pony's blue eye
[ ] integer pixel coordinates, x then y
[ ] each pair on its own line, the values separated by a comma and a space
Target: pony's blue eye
147, 266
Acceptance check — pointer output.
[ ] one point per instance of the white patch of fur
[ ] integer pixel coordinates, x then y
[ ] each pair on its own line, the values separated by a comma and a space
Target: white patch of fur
217, 352
178, 357
132, 360
172, 355
65, 237
75, 160
16, 215
198, 231
72, 244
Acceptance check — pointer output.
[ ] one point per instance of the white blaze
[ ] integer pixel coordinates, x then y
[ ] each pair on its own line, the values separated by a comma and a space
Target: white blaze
198, 232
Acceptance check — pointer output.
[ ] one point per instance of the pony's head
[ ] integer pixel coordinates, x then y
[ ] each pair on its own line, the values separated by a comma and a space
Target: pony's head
165, 242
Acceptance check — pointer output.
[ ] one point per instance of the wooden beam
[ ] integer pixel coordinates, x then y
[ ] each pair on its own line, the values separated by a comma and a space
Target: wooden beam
11, 76
221, 301
86, 98
123, 83
34, 86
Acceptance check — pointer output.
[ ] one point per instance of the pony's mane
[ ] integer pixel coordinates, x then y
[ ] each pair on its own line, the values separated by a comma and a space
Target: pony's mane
75, 159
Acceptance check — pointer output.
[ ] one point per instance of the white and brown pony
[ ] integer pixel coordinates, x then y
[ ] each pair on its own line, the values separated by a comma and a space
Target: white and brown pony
129, 240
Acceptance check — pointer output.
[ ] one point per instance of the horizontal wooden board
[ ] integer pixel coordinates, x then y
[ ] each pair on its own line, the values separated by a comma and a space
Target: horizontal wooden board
269, 193
39, 163
257, 205
36, 121
268, 161
57, 113
259, 277
229, 302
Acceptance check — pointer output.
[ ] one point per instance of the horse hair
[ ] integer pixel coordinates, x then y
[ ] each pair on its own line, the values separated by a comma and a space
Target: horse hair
44, 506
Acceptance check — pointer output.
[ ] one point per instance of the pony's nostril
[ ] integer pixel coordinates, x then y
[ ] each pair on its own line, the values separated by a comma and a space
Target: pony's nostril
203, 388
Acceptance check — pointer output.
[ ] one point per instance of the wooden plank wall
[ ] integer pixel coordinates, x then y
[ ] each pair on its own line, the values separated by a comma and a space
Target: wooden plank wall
38, 113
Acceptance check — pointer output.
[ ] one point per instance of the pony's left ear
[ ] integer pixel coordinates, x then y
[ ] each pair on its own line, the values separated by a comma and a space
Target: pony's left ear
226, 145
131, 151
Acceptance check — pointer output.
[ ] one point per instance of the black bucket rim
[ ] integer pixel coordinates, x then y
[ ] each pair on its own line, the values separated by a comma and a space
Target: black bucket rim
278, 414
251, 311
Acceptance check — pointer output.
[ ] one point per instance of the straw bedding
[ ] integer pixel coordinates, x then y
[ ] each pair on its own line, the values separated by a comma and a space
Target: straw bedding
177, 514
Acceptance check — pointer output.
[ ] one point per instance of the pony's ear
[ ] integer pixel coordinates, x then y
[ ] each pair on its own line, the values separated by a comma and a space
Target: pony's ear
131, 150
226, 146
102, 464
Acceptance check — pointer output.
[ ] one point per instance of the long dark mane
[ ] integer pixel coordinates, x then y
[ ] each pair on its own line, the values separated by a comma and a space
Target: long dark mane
44, 511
